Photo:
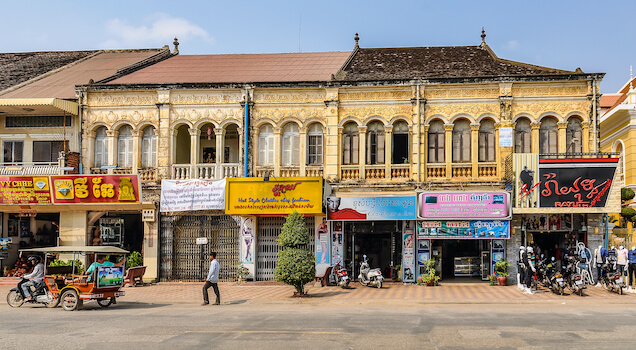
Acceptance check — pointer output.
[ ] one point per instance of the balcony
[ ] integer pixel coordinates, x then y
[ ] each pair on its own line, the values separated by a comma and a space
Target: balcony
145, 174
205, 171
487, 169
462, 170
435, 171
375, 172
401, 171
350, 172
30, 168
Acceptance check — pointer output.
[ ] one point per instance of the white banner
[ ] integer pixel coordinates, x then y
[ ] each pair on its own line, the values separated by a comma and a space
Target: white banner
189, 195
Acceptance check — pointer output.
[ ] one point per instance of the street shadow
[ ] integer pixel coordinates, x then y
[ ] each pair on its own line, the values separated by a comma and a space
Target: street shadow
236, 302
123, 305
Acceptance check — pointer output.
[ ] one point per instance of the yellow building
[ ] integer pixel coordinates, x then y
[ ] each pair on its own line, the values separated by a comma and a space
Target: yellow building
375, 124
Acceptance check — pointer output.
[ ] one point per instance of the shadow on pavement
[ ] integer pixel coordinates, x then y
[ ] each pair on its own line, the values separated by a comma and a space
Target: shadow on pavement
235, 302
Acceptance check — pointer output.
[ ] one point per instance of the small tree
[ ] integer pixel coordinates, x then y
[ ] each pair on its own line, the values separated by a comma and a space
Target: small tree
295, 264
628, 213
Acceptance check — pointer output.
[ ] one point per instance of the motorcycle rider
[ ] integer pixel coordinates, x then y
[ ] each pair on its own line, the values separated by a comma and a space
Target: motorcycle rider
34, 278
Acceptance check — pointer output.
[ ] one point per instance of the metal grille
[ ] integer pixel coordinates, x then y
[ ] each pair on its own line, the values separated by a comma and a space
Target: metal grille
182, 259
268, 230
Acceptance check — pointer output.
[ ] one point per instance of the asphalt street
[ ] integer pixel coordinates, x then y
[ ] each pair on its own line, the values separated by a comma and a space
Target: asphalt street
243, 325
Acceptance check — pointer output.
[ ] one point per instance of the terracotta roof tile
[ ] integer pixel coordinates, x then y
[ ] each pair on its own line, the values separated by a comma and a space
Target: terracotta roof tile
240, 68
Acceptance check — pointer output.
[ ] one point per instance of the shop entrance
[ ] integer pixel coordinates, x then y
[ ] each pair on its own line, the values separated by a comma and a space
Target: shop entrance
379, 240
460, 260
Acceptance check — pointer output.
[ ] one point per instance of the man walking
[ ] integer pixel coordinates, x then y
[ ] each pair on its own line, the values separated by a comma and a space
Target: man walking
212, 280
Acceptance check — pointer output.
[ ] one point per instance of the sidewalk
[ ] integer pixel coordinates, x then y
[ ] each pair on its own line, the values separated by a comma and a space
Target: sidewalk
273, 293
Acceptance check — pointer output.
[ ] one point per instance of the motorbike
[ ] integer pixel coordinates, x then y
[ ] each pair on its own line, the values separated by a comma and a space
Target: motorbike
553, 278
574, 280
369, 277
342, 277
610, 279
40, 295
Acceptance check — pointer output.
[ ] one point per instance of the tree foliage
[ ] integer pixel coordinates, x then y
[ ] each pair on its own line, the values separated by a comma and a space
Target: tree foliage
296, 263
627, 194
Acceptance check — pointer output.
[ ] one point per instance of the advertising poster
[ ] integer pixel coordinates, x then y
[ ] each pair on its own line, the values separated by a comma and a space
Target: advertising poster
247, 240
90, 189
371, 208
322, 242
480, 229
110, 276
25, 190
191, 195
5, 243
408, 255
505, 137
464, 205
255, 196
336, 242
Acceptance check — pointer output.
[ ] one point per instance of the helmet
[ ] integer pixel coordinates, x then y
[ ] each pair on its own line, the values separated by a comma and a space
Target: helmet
34, 259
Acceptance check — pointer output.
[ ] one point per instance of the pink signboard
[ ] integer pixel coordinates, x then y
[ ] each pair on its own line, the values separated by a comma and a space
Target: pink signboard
464, 205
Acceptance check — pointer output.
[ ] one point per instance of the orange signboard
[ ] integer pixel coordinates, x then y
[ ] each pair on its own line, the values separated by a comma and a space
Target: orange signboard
255, 196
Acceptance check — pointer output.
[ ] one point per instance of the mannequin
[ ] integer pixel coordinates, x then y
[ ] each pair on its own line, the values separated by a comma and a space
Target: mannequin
528, 263
621, 260
585, 262
600, 255
631, 275
520, 272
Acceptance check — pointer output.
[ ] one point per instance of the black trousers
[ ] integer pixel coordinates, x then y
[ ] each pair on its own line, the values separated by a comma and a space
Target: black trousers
206, 286
632, 273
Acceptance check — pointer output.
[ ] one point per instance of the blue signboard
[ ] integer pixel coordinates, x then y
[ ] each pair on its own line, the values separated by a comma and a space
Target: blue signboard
479, 229
110, 276
371, 208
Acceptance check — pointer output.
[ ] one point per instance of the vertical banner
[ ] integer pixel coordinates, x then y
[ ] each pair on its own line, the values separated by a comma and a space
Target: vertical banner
423, 254
336, 242
408, 253
497, 253
247, 240
322, 242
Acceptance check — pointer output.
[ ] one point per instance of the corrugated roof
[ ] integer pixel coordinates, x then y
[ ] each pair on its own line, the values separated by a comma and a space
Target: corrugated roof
16, 68
436, 63
240, 68
61, 84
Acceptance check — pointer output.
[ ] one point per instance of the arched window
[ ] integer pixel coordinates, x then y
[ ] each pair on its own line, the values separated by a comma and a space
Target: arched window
461, 141
621, 159
375, 143
487, 141
149, 148
266, 145
125, 147
290, 145
101, 147
400, 143
574, 136
350, 144
523, 136
314, 143
548, 136
436, 142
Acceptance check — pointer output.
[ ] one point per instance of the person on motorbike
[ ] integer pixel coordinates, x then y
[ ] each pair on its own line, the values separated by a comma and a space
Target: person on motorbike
34, 278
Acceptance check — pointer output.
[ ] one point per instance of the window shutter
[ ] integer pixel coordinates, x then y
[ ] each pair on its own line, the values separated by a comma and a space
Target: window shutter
380, 147
346, 145
355, 149
295, 150
153, 154
262, 153
286, 150
270, 150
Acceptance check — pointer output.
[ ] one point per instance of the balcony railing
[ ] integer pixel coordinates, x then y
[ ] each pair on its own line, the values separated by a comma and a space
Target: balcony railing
436, 171
462, 170
314, 170
400, 171
350, 172
205, 171
30, 168
375, 172
289, 171
487, 169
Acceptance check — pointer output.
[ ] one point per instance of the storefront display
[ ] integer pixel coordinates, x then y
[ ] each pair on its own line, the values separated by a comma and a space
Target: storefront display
482, 229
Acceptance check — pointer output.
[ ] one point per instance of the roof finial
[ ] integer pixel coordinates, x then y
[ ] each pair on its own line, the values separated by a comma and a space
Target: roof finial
483, 36
356, 38
176, 45
631, 75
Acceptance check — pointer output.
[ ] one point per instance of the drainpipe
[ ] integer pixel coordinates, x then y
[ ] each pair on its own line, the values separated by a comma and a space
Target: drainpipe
594, 116
419, 137
606, 235
80, 117
246, 127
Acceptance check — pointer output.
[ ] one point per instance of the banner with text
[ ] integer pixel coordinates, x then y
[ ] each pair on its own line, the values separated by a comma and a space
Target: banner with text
284, 195
191, 195
371, 208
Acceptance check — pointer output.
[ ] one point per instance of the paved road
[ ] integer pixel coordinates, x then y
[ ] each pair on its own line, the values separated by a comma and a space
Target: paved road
322, 323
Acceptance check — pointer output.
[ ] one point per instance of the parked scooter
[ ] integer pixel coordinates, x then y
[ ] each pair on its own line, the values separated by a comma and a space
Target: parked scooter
554, 278
368, 277
574, 280
610, 279
41, 295
342, 277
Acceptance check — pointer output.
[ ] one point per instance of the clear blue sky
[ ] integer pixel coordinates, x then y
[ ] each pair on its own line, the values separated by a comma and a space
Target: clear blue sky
592, 35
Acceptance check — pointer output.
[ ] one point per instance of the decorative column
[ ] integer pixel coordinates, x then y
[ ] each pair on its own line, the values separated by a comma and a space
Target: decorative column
362, 158
302, 156
332, 152
166, 139
585, 132
498, 152
448, 149
219, 135
173, 134
424, 140
474, 150
240, 160
136, 151
338, 154
256, 153
112, 149
388, 139
535, 126
194, 151
562, 145
89, 156
277, 150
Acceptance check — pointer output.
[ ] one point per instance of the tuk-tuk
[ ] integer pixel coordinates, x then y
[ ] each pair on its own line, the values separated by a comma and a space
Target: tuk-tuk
71, 289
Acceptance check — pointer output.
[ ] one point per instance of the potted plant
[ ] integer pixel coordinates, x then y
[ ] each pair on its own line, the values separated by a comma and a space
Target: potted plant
242, 272
492, 279
430, 278
501, 270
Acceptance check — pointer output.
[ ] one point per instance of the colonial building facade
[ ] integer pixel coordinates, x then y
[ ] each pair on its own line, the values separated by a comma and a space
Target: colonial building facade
376, 125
